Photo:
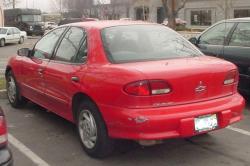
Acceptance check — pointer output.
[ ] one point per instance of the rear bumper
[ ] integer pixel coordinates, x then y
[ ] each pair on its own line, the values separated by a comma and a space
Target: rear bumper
169, 122
5, 157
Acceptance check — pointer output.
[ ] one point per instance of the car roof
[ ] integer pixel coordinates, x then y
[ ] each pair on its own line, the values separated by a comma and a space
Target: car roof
106, 24
239, 19
7, 27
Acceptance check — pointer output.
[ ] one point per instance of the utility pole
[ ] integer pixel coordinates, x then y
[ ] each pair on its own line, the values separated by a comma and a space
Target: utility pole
143, 10
61, 6
226, 9
14, 4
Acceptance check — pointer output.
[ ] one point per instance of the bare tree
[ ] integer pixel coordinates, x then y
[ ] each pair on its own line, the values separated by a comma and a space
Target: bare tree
115, 8
225, 6
172, 7
10, 3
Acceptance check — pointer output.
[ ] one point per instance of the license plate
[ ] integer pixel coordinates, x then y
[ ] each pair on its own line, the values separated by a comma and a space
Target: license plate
206, 123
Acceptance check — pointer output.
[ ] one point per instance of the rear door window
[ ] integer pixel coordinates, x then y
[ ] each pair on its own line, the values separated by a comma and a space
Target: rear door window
16, 31
241, 35
73, 46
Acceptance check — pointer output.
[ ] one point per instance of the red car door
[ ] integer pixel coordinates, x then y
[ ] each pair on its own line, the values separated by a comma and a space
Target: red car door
33, 85
63, 72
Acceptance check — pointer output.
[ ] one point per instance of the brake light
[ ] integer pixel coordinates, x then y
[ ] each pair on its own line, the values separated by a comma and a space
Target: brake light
140, 88
147, 88
231, 77
3, 131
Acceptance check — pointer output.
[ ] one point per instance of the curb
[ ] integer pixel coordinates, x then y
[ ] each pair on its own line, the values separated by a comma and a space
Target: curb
3, 94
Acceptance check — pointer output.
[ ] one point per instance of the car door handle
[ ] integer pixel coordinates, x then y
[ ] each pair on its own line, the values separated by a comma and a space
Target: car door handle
40, 71
75, 79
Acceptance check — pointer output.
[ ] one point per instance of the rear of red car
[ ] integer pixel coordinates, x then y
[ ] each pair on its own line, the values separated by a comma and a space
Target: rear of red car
175, 91
5, 154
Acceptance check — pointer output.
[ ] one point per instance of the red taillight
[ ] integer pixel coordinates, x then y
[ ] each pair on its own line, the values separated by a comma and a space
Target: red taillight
139, 88
147, 88
231, 77
3, 131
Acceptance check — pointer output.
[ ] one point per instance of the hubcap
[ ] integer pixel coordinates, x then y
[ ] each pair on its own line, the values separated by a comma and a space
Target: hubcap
11, 89
87, 129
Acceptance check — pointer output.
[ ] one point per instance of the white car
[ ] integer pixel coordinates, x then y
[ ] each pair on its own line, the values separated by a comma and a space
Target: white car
50, 25
11, 35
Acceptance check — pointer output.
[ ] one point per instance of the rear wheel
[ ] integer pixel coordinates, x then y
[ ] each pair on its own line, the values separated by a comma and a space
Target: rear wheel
2, 43
21, 40
13, 93
92, 131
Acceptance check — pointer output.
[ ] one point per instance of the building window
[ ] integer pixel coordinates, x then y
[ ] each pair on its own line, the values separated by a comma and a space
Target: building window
142, 13
201, 17
241, 13
161, 15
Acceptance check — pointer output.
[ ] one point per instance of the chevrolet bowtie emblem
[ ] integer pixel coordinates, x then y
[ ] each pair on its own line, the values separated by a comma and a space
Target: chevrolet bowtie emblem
200, 88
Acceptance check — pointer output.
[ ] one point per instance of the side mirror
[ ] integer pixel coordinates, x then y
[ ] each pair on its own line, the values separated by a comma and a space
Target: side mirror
194, 40
24, 52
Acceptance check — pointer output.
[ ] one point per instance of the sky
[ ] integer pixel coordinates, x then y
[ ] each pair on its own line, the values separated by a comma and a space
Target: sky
44, 5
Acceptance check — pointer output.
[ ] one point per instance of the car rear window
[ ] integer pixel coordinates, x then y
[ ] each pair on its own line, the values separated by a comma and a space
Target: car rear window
134, 43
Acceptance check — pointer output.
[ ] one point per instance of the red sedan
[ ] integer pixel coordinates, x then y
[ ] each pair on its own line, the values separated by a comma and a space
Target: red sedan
125, 80
5, 153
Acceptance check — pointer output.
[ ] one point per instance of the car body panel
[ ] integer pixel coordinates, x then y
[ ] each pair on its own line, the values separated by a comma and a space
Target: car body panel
169, 115
5, 153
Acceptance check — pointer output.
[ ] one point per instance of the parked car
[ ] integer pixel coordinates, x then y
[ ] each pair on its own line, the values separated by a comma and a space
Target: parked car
177, 20
5, 153
125, 80
74, 20
11, 35
50, 25
229, 40
126, 19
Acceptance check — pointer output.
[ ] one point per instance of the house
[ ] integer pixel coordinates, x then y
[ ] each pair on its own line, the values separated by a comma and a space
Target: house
1, 14
203, 13
197, 13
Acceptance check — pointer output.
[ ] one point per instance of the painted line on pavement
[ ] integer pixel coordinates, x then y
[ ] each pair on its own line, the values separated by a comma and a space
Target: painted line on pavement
244, 132
26, 151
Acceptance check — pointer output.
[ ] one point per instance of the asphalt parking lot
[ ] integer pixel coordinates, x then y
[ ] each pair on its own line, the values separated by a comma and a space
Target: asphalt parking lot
38, 137
54, 142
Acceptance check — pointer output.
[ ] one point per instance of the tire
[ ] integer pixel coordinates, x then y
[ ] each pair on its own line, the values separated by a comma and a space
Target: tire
13, 93
21, 41
100, 145
2, 43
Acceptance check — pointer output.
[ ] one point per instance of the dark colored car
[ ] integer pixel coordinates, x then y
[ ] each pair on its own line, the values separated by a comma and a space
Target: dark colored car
229, 40
29, 20
5, 154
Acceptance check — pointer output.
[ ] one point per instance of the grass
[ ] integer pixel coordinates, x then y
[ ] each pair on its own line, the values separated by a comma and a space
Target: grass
2, 83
